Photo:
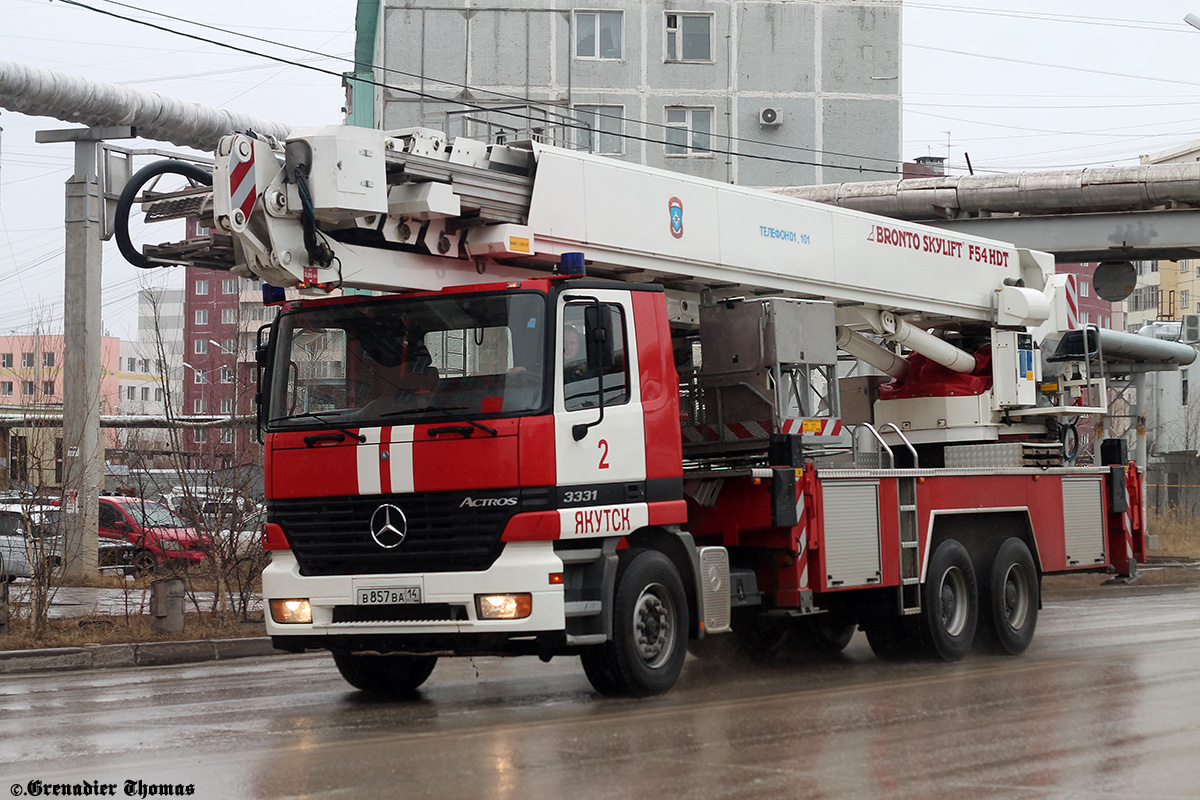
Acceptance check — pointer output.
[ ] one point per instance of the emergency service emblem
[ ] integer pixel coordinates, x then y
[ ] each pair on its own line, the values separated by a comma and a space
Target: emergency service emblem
389, 526
675, 207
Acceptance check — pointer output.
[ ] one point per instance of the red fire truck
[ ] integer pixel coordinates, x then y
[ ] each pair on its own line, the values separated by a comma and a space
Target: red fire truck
603, 410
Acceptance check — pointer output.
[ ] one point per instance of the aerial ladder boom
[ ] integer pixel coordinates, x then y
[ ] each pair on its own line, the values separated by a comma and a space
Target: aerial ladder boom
334, 205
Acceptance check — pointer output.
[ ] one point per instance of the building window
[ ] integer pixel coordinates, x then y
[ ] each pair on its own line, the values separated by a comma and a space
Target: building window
6, 388
1083, 289
1184, 300
1185, 265
131, 364
201, 316
199, 376
226, 374
1084, 318
200, 347
27, 360
128, 392
689, 37
158, 395
229, 346
199, 436
688, 131
48, 387
202, 287
229, 286
226, 405
143, 365
198, 405
47, 359
229, 316
6, 360
602, 129
226, 435
598, 34
27, 388
145, 392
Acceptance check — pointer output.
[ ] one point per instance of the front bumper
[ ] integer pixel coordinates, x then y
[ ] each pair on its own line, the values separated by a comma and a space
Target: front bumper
448, 600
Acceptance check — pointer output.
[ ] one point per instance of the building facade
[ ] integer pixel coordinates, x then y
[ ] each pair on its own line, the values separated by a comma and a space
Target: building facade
221, 317
31, 384
791, 92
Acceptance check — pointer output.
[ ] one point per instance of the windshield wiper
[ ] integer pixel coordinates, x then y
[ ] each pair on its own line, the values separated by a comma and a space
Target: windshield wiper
449, 411
323, 420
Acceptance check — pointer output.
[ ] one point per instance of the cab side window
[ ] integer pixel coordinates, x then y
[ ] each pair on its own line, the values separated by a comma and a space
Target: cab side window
582, 378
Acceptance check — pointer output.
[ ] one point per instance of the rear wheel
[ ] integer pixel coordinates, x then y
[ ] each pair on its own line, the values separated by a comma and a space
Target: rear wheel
1009, 597
650, 629
384, 675
949, 602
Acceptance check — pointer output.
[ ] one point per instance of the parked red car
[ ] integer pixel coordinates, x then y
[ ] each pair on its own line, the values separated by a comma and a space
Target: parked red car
157, 534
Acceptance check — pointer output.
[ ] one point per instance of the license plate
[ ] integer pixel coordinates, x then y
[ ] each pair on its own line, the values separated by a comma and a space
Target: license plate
389, 596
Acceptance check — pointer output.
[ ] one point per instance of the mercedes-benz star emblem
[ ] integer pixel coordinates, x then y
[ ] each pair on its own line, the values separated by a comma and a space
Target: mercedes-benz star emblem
389, 526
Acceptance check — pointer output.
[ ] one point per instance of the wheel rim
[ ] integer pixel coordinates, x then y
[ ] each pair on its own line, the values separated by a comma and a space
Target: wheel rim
952, 601
654, 625
1017, 597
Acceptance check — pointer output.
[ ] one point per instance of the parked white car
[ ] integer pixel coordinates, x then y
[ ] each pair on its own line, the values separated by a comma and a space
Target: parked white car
28, 534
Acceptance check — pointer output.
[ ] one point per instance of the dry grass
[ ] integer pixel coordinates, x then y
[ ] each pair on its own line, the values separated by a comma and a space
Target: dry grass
1178, 532
101, 629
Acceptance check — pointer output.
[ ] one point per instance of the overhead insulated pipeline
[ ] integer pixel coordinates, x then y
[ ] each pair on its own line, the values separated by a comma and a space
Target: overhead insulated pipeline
1101, 189
48, 93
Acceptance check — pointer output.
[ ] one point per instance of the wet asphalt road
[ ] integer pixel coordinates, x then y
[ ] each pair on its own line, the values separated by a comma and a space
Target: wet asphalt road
1106, 704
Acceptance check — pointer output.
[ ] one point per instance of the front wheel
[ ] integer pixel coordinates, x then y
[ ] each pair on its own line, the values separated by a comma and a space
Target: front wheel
384, 675
650, 629
1009, 596
144, 563
950, 602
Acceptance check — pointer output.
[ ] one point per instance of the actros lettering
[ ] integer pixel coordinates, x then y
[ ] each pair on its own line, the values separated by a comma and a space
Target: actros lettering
487, 502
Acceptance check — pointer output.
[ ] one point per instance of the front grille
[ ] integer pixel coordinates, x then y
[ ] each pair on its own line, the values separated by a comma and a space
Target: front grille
420, 612
332, 535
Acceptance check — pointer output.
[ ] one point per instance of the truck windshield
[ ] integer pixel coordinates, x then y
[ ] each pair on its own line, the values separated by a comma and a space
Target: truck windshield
379, 362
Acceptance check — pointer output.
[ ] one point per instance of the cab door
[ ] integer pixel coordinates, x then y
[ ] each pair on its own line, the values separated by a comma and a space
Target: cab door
600, 443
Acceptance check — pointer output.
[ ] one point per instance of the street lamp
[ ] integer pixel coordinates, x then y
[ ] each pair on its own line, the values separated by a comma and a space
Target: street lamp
1193, 20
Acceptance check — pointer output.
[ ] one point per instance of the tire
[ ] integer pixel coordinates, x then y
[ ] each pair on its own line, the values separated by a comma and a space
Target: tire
891, 638
388, 675
824, 635
650, 629
949, 602
144, 563
1009, 597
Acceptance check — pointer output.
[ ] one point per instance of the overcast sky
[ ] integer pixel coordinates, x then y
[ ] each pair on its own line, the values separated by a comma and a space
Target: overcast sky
1016, 84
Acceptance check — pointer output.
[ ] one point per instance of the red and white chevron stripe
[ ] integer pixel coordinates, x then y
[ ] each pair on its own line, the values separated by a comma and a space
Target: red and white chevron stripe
242, 190
1072, 289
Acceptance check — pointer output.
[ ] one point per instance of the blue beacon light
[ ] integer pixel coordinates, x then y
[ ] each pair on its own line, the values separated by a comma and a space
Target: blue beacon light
572, 264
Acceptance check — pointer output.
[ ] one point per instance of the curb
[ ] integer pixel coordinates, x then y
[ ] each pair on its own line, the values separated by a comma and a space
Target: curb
147, 654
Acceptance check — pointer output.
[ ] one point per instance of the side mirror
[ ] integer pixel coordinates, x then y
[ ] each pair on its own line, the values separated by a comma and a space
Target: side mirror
598, 323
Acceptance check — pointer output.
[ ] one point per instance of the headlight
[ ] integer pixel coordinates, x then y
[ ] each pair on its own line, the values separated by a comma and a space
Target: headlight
504, 606
171, 545
291, 612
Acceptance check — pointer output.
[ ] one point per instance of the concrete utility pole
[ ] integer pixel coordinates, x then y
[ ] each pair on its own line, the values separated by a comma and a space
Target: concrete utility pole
127, 112
83, 452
